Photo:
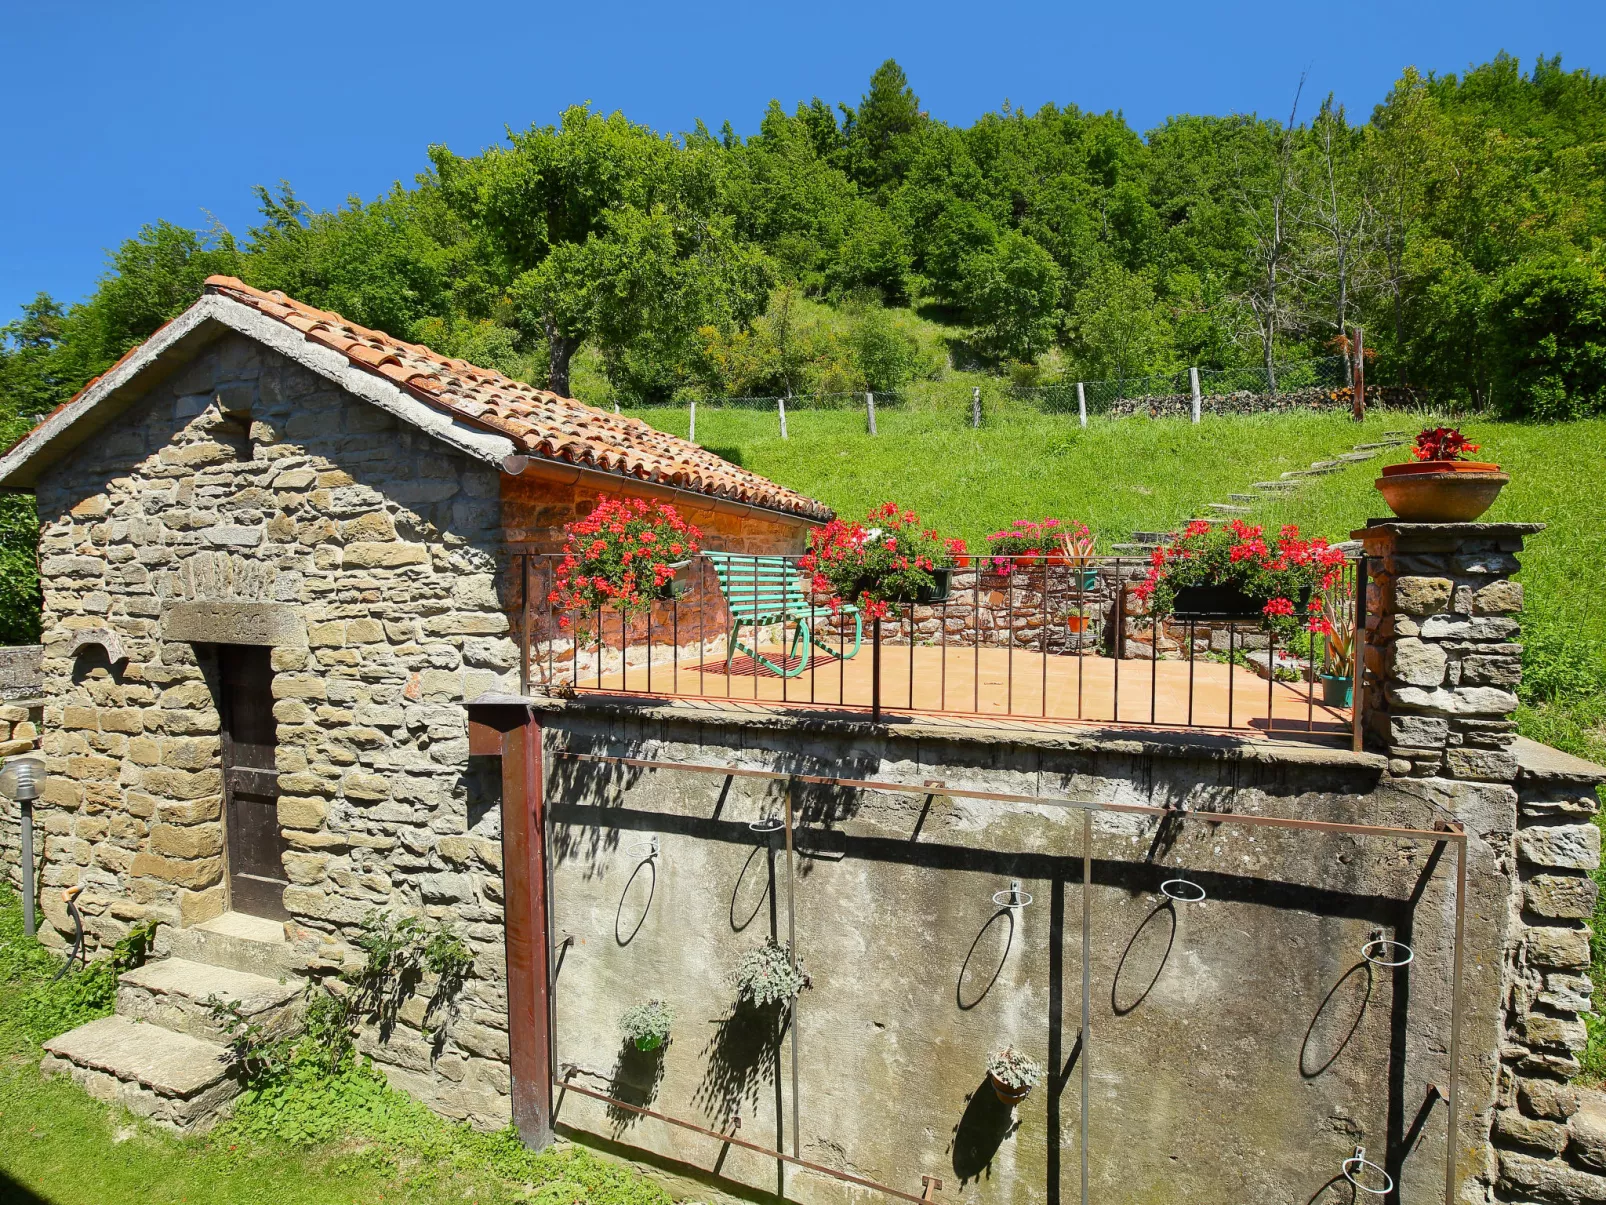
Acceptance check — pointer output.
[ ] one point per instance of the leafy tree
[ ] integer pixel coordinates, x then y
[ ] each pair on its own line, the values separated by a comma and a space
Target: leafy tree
1120, 329
30, 376
1011, 291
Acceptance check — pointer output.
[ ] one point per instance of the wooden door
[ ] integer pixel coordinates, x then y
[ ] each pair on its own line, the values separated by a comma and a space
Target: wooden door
251, 781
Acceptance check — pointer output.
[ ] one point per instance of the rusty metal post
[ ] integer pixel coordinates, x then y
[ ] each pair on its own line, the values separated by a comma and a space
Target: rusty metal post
1357, 700
1087, 978
1358, 400
791, 944
1454, 1097
875, 669
509, 728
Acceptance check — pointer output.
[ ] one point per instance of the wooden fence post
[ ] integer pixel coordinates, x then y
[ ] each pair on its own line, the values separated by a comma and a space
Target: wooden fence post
780, 408
975, 406
693, 436
1359, 391
1193, 381
869, 407
1081, 404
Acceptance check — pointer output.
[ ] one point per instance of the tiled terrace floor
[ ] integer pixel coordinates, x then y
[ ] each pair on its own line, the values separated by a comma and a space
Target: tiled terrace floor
1001, 682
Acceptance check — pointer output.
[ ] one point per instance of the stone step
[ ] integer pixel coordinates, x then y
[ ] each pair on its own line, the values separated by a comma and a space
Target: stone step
1133, 549
1387, 443
1243, 497
1276, 485
172, 993
172, 1079
1357, 457
1151, 537
235, 941
1228, 508
1324, 464
1297, 473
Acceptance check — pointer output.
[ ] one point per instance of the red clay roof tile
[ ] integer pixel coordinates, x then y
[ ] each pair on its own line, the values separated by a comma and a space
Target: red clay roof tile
540, 423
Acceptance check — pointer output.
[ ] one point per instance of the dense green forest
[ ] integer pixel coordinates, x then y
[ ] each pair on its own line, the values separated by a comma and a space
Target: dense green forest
1462, 225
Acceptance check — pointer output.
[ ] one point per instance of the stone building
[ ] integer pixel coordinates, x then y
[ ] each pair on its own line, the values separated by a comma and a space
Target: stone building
281, 673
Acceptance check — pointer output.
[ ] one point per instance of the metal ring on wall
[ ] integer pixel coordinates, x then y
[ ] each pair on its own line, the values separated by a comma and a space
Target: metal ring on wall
1183, 891
1377, 952
1359, 1163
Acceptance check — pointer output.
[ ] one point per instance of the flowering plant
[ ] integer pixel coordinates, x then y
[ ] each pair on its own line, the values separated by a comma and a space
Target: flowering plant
1026, 539
889, 562
623, 554
1239, 555
1442, 443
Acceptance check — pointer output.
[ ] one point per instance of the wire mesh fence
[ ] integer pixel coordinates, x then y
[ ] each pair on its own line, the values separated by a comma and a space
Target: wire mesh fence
854, 400
1312, 378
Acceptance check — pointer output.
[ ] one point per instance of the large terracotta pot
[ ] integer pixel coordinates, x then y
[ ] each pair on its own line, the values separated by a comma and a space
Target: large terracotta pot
1441, 491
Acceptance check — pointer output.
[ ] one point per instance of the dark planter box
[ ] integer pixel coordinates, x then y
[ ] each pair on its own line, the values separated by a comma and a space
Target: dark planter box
940, 590
1224, 602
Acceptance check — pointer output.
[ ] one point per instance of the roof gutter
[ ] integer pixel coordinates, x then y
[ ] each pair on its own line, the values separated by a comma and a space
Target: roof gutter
564, 473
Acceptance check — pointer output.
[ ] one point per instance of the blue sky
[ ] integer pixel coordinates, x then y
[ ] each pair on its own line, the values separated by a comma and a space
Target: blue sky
120, 114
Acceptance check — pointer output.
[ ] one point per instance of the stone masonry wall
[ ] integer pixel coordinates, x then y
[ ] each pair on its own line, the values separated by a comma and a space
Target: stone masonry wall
244, 477
19, 733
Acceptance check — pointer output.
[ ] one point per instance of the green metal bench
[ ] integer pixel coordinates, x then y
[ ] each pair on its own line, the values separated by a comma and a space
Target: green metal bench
762, 590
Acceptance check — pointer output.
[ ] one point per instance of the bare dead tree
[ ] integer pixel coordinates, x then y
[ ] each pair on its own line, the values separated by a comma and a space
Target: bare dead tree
1270, 206
1337, 213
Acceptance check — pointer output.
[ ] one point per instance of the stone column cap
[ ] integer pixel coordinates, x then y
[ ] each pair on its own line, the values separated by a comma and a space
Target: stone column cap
1442, 537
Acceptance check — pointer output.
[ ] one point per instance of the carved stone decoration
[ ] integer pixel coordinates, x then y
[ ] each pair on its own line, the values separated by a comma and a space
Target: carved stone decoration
272, 624
105, 638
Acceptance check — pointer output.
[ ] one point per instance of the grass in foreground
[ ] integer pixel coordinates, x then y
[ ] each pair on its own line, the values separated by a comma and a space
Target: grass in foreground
359, 1141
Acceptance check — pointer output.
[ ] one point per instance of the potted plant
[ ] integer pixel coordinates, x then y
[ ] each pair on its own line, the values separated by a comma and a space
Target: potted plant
893, 561
1338, 678
1441, 483
647, 1025
1023, 542
624, 555
766, 976
1232, 572
958, 553
1078, 544
1078, 618
1012, 1074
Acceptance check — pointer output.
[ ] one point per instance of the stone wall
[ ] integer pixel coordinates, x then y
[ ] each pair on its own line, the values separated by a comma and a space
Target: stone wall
1551, 1136
20, 721
246, 478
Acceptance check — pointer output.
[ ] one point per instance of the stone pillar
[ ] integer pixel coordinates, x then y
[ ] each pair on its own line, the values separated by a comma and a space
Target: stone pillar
1443, 666
1442, 662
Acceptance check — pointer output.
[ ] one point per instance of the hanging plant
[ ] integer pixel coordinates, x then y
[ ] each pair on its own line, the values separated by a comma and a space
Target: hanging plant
1270, 581
647, 1025
766, 975
623, 556
1013, 1075
895, 560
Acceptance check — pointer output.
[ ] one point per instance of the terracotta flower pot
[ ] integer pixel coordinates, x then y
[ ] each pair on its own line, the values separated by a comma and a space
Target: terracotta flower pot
961, 562
1006, 1094
1024, 559
1076, 623
1441, 491
1055, 558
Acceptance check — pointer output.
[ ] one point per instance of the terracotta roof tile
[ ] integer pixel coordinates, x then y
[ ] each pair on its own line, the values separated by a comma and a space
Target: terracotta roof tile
540, 423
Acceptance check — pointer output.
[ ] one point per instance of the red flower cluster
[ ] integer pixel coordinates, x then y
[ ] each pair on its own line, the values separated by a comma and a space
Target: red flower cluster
1442, 443
621, 555
874, 566
1239, 555
1028, 539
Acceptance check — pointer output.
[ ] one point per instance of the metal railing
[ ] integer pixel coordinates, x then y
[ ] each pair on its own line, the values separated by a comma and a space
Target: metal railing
1012, 637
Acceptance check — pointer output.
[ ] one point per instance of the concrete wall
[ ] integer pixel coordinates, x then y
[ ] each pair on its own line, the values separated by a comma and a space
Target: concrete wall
1241, 1048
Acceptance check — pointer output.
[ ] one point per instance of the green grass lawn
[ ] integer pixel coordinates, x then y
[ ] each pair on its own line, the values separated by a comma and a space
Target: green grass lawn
1126, 475
58, 1145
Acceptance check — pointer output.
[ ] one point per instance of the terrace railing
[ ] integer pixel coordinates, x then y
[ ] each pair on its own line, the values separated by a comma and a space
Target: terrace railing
1012, 637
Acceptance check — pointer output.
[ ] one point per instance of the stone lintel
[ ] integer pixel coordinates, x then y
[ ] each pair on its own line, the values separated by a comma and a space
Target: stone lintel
265, 623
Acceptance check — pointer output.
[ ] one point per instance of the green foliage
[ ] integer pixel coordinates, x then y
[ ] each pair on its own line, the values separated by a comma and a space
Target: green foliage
48, 1002
766, 976
647, 1025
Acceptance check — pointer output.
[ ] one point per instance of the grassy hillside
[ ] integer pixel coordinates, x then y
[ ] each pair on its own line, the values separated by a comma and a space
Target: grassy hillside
1119, 476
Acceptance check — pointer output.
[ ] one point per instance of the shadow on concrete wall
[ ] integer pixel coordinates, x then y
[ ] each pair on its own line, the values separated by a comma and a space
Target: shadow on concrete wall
635, 1079
986, 1122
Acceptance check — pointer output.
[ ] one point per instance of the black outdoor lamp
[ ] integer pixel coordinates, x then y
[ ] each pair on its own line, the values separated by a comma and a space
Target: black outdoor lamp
23, 779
